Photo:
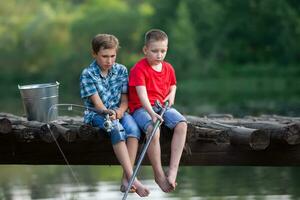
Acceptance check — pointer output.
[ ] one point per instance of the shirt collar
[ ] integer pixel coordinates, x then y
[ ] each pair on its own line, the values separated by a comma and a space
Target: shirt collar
96, 69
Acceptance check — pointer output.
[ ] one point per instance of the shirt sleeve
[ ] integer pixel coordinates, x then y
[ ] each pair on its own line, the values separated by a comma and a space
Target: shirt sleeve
172, 76
125, 81
137, 77
87, 86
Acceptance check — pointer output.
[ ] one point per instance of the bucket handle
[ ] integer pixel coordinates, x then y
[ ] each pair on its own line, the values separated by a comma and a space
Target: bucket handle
57, 83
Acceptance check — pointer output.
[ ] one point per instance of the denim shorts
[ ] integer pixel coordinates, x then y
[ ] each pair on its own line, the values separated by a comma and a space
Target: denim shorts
171, 118
122, 129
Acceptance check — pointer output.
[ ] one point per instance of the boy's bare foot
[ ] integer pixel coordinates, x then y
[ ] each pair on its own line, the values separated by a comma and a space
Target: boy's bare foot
171, 177
124, 186
164, 184
141, 190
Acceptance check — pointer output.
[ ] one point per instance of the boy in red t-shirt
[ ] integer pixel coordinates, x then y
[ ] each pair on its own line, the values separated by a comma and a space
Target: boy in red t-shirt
154, 79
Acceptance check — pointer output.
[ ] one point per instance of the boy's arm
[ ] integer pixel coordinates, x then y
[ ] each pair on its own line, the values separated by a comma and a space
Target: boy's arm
171, 96
142, 94
123, 106
96, 100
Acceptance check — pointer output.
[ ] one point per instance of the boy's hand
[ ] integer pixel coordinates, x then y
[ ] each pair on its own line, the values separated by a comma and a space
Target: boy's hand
156, 116
170, 98
113, 114
119, 113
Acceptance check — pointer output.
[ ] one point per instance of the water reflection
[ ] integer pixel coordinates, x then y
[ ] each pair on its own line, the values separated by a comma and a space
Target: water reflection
209, 183
244, 182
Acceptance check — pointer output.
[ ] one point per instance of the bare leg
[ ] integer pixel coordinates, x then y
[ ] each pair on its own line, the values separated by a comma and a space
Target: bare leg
154, 155
177, 146
122, 155
132, 147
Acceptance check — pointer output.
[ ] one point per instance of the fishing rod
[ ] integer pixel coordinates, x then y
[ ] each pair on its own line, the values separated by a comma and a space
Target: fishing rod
142, 155
108, 125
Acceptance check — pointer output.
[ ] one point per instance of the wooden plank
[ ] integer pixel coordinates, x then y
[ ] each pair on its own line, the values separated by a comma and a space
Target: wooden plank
210, 141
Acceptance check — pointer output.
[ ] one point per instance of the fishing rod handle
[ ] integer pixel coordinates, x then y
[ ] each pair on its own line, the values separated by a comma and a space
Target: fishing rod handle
166, 103
163, 110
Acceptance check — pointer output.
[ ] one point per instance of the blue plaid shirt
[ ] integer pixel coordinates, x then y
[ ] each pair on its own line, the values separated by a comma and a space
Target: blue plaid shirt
109, 88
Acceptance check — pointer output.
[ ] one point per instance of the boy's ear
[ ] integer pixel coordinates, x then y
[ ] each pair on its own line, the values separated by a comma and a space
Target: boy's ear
144, 49
93, 54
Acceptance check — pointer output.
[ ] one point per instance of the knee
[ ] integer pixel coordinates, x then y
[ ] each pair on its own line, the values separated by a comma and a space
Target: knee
182, 126
155, 136
117, 136
134, 132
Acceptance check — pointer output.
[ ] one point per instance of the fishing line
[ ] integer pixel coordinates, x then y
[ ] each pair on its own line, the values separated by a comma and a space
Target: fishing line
69, 108
64, 157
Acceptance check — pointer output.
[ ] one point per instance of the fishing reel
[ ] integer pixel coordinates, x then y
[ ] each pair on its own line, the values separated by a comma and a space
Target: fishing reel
107, 125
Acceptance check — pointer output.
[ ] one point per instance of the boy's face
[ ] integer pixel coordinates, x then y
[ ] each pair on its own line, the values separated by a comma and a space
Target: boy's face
155, 51
105, 58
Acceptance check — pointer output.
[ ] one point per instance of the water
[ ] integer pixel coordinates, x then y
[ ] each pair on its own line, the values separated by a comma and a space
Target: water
194, 183
102, 190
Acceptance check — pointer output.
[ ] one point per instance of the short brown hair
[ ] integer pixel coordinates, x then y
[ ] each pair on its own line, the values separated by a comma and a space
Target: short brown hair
104, 41
155, 35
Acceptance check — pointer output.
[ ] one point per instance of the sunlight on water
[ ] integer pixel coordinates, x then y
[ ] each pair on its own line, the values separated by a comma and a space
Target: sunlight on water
103, 190
194, 183
109, 191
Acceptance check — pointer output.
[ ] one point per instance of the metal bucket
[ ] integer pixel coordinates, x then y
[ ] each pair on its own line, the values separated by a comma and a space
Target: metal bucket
37, 100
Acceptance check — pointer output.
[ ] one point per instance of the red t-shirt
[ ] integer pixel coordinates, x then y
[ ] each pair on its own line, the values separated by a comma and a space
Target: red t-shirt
157, 83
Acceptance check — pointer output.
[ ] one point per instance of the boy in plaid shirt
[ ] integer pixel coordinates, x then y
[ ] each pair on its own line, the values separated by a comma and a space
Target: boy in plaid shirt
104, 86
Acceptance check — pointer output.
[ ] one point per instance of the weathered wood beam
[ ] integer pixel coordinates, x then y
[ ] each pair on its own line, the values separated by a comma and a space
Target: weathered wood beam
210, 141
5, 125
100, 153
279, 132
239, 135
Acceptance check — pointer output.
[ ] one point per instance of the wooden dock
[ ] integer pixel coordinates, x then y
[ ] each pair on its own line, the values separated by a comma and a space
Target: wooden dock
211, 140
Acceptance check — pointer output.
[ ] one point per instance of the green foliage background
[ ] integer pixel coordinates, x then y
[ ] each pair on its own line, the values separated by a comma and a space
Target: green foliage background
233, 56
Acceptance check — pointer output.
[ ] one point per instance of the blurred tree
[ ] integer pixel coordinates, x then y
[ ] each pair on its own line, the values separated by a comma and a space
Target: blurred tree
183, 52
210, 40
207, 19
261, 31
36, 36
164, 13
